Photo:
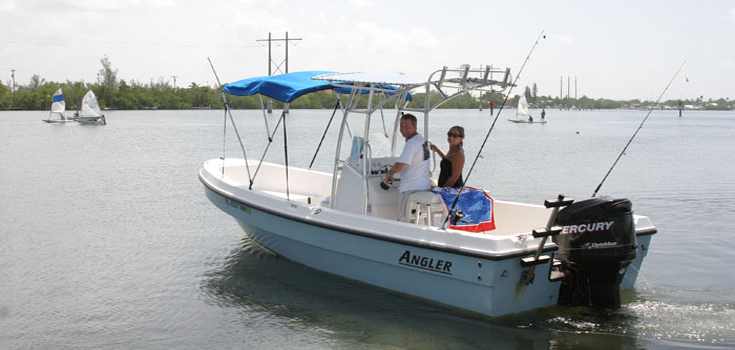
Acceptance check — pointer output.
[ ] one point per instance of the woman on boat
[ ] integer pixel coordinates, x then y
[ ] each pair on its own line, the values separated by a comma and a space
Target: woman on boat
453, 161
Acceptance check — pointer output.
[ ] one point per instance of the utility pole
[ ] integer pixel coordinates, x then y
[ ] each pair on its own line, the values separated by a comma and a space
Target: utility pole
270, 60
12, 75
561, 88
575, 91
174, 77
269, 56
568, 85
277, 66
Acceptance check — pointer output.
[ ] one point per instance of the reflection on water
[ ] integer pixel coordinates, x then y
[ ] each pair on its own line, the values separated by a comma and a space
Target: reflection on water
348, 313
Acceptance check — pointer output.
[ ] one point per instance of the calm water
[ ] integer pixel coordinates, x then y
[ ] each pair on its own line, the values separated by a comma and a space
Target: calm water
107, 240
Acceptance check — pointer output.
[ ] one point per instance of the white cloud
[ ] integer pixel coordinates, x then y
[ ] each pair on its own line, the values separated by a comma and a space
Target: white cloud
366, 45
7, 6
732, 14
564, 39
361, 4
94, 5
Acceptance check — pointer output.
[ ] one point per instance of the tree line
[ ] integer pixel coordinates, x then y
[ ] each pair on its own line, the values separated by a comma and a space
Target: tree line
132, 95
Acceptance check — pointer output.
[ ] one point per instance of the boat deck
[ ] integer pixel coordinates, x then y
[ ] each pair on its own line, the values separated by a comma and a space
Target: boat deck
314, 188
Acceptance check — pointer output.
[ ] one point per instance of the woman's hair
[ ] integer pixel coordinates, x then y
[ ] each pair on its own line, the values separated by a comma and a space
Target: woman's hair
460, 131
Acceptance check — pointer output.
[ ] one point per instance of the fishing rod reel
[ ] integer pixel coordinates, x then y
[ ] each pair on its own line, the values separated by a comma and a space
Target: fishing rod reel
458, 217
597, 243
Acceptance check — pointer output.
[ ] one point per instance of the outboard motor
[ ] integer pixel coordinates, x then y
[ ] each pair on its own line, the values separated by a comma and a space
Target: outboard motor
596, 245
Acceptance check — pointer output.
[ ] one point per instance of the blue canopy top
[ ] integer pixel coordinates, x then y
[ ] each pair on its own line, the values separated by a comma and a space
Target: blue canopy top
285, 87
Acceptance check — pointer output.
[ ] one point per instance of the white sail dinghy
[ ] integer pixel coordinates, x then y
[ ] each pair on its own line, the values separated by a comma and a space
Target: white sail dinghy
58, 107
91, 113
522, 257
523, 113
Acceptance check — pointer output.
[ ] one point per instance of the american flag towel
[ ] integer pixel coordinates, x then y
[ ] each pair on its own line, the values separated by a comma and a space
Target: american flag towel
476, 205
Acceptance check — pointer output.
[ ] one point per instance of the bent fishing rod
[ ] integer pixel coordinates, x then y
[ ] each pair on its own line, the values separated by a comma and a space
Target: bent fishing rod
492, 126
637, 130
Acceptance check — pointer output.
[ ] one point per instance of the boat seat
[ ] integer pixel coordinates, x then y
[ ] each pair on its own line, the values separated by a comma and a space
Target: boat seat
424, 205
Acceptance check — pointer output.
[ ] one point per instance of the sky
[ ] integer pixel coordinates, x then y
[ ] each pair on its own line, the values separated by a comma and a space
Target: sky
614, 49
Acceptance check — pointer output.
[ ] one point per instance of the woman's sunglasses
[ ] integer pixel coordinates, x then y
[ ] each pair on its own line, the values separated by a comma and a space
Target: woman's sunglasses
454, 135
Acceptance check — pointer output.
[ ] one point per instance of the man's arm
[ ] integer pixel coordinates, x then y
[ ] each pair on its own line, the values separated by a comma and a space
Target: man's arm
397, 167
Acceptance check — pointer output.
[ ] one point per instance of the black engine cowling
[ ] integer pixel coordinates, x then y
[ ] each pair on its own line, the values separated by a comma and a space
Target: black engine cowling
596, 245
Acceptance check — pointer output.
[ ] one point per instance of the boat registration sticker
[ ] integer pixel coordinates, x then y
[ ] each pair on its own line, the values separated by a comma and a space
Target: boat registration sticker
238, 205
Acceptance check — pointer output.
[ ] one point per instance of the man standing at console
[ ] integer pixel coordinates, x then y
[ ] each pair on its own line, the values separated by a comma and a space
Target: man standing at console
413, 164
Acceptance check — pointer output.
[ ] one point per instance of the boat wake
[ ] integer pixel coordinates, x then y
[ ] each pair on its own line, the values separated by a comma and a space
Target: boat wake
700, 323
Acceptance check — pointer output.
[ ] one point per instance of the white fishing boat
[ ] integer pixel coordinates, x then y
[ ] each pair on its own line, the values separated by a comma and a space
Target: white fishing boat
90, 112
345, 222
523, 113
58, 107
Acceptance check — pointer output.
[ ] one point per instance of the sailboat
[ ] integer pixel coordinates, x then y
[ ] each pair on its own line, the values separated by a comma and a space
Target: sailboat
523, 114
91, 113
58, 107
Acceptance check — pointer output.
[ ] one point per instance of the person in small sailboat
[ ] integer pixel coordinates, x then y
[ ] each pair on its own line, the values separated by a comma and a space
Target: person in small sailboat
450, 174
412, 164
101, 119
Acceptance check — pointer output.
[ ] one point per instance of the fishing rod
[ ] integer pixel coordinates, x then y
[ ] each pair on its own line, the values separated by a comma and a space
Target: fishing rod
224, 122
492, 126
324, 135
224, 131
267, 146
637, 130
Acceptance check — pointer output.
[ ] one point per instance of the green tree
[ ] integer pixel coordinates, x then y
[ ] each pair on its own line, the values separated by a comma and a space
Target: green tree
134, 94
36, 82
109, 82
5, 97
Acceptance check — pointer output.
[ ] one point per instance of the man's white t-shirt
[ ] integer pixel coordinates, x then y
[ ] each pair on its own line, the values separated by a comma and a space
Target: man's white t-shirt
415, 174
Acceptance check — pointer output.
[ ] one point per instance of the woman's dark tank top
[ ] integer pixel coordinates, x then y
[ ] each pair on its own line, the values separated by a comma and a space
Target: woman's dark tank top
446, 171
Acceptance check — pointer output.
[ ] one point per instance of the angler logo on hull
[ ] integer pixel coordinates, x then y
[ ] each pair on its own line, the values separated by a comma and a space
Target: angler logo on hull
425, 263
586, 228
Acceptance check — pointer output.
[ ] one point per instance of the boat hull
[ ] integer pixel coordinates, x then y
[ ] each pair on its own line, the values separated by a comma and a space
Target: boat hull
91, 121
490, 286
643, 241
519, 121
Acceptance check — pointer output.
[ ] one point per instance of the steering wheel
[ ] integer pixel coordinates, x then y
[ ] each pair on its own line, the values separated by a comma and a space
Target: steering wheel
383, 172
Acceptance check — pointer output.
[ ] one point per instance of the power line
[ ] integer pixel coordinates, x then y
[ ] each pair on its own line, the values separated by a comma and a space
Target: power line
47, 40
